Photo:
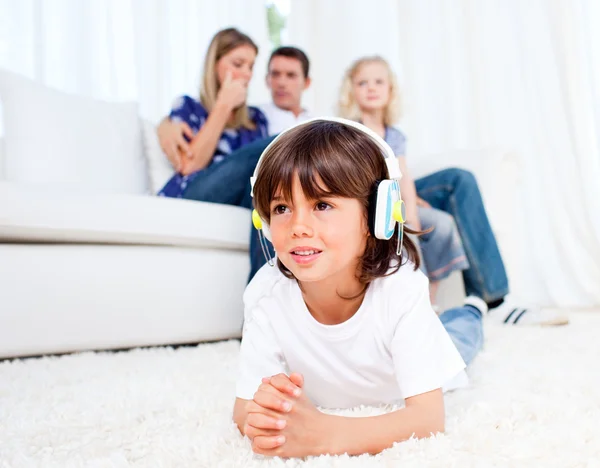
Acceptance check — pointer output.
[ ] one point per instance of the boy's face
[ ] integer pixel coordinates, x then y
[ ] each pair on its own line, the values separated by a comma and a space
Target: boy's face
371, 86
318, 239
286, 81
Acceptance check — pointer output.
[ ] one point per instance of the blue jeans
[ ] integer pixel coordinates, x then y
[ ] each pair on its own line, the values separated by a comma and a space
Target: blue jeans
455, 191
465, 328
229, 182
442, 251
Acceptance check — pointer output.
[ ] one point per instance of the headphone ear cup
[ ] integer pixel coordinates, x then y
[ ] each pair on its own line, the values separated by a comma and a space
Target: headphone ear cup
382, 201
267, 232
261, 225
372, 208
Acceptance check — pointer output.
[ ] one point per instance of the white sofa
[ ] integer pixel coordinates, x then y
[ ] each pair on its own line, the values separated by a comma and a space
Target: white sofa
90, 260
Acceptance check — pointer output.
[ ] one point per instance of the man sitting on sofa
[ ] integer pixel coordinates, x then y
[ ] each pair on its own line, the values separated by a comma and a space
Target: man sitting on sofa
287, 78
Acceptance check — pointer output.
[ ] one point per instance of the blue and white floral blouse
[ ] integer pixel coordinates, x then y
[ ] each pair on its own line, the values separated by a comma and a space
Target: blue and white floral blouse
189, 110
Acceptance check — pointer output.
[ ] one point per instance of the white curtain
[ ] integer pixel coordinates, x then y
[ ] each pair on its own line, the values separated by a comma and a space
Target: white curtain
521, 75
149, 51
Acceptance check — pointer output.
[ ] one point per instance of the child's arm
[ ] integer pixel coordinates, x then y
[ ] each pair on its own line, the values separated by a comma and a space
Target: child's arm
307, 431
422, 416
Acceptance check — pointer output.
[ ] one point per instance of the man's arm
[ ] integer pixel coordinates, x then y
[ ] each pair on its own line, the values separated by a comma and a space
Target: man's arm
172, 141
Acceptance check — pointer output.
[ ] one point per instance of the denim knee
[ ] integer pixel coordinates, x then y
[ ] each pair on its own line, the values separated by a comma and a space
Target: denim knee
444, 226
462, 177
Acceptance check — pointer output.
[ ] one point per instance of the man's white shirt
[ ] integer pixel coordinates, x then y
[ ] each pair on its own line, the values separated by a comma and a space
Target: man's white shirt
280, 119
393, 348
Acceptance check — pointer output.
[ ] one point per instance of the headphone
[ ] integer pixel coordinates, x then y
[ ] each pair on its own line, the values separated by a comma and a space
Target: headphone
386, 208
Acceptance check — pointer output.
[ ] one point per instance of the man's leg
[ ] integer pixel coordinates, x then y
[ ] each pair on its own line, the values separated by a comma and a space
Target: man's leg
228, 181
455, 191
464, 325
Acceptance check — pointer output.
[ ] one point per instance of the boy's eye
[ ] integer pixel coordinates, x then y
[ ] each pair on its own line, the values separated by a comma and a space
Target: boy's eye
322, 206
280, 209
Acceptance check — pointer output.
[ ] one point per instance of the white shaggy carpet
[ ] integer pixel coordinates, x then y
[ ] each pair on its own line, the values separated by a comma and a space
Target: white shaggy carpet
534, 401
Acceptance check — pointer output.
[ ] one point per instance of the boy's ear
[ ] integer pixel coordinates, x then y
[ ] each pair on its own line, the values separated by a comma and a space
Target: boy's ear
307, 82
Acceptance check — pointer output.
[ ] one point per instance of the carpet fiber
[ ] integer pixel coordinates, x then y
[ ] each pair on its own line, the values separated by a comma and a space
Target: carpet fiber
533, 401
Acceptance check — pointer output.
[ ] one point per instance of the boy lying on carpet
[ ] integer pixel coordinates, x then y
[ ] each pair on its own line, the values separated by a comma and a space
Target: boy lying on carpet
345, 319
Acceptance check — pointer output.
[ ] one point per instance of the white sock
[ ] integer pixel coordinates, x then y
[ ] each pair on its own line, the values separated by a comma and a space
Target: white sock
477, 303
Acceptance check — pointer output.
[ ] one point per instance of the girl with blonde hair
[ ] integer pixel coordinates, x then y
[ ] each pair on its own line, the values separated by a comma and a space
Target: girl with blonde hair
370, 95
449, 201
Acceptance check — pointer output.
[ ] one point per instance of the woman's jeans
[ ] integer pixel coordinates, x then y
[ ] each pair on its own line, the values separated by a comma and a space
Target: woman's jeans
464, 325
455, 191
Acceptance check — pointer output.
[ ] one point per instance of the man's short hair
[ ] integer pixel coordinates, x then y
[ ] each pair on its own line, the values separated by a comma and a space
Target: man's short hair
292, 52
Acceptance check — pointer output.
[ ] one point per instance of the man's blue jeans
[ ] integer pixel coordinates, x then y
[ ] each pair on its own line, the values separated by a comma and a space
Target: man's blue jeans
228, 182
464, 325
455, 191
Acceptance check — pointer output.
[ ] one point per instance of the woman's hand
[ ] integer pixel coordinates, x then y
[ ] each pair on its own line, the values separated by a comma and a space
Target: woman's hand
422, 203
171, 136
232, 93
281, 420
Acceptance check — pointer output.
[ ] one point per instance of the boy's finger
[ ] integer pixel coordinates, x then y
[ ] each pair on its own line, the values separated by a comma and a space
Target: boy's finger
267, 442
297, 379
253, 407
273, 402
262, 421
282, 383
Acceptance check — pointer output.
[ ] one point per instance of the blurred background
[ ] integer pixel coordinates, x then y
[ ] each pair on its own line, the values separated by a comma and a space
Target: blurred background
522, 76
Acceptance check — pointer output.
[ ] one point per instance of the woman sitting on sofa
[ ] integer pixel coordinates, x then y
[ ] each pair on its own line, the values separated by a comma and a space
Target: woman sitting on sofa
199, 136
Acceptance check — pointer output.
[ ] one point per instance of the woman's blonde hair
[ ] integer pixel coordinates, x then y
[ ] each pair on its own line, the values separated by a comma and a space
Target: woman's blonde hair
222, 43
347, 105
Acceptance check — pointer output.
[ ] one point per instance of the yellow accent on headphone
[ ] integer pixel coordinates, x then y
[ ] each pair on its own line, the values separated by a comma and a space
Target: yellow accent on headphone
398, 211
256, 220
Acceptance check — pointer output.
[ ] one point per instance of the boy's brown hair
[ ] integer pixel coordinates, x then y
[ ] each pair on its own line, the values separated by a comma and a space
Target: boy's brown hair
349, 163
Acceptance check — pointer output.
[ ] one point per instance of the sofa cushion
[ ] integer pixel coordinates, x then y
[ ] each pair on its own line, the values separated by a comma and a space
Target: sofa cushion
159, 167
1, 158
74, 141
34, 213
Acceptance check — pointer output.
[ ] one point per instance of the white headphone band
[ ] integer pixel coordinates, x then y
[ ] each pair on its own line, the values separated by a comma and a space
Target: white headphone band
386, 151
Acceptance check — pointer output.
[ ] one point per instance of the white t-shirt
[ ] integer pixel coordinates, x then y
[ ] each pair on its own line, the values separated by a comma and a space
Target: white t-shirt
280, 119
394, 346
